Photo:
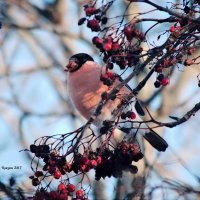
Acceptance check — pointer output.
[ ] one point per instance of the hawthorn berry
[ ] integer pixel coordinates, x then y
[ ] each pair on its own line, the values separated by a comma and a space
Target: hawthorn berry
79, 194
107, 46
51, 170
133, 115
35, 182
84, 160
109, 65
165, 81
123, 115
99, 160
53, 195
90, 11
115, 46
97, 41
67, 167
63, 196
33, 148
104, 20
128, 32
93, 25
71, 188
158, 69
57, 174
172, 28
61, 187
160, 77
93, 163
157, 84
38, 173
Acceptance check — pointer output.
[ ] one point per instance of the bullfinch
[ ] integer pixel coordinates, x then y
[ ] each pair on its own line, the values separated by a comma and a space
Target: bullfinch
85, 90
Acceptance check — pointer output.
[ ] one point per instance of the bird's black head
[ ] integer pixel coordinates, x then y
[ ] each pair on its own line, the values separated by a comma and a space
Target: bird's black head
77, 60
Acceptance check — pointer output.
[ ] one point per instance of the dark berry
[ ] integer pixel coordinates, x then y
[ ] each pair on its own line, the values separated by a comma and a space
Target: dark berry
110, 65
33, 148
35, 182
104, 130
38, 173
160, 77
104, 20
157, 84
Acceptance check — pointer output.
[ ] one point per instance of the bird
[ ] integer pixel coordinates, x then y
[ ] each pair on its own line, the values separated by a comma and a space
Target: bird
85, 91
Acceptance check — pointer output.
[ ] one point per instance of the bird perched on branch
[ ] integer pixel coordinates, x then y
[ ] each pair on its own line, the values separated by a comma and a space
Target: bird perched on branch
87, 83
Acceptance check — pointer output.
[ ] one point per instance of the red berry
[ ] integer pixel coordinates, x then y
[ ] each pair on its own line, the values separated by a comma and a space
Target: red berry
110, 75
99, 160
165, 81
128, 32
93, 163
90, 11
97, 41
51, 170
63, 196
115, 46
159, 69
67, 167
79, 194
84, 161
61, 187
107, 46
94, 25
71, 188
57, 174
109, 39
53, 195
172, 28
133, 115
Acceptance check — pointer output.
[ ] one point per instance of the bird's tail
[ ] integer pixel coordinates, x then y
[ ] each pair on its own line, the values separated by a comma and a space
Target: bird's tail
151, 136
156, 140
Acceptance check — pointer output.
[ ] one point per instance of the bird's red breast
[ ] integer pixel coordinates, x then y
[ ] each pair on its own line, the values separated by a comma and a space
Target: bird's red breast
85, 89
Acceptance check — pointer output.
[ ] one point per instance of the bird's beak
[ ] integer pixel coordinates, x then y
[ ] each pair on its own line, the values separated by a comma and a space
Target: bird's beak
70, 66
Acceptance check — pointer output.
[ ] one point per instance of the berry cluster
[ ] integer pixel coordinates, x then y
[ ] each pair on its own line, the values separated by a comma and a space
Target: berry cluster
161, 80
108, 78
123, 48
106, 160
129, 114
84, 163
175, 30
114, 162
40, 150
62, 193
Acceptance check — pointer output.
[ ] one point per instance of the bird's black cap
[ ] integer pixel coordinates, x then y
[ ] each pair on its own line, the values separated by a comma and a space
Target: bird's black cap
77, 60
